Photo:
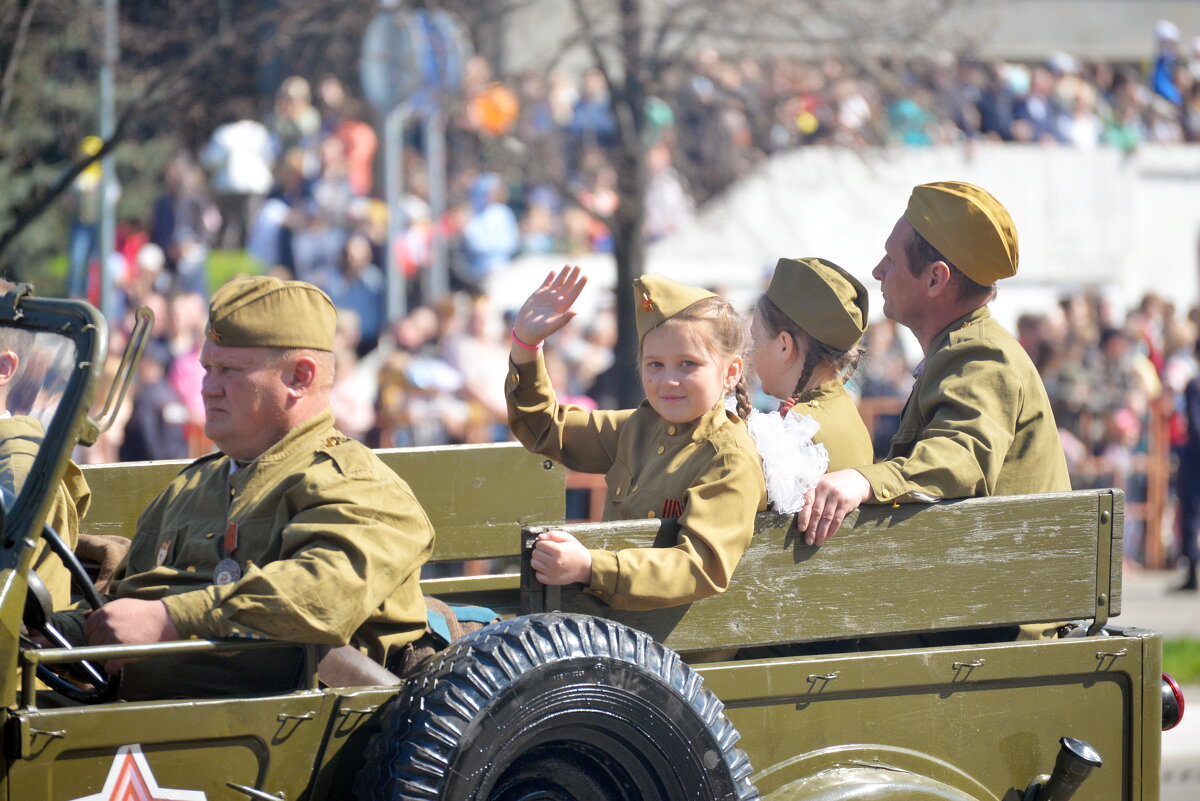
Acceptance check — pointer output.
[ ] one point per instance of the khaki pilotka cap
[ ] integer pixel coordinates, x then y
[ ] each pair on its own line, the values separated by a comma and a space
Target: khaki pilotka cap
658, 299
265, 312
968, 226
827, 302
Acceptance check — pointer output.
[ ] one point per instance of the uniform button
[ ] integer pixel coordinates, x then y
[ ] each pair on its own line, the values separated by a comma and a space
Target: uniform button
210, 535
885, 492
618, 491
191, 568
814, 404
650, 513
671, 430
661, 450
331, 441
232, 492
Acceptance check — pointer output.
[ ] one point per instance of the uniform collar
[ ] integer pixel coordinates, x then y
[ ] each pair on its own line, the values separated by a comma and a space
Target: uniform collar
943, 338
700, 429
282, 448
820, 392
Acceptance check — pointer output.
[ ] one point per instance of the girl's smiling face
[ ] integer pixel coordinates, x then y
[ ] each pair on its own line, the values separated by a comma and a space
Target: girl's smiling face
681, 375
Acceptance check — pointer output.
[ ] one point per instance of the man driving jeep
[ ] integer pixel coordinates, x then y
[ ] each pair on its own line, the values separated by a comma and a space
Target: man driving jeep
290, 531
20, 438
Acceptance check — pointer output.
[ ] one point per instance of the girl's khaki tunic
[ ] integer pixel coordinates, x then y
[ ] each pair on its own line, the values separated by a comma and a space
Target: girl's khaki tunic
706, 473
842, 431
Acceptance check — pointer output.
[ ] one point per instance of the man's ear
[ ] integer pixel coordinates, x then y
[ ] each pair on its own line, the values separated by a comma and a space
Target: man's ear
303, 375
937, 279
8, 366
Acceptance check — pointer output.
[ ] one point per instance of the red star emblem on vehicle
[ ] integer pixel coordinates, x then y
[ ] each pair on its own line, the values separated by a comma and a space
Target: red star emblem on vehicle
130, 779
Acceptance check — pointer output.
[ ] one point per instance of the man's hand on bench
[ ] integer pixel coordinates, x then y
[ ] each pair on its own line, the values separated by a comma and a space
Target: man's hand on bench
836, 495
558, 558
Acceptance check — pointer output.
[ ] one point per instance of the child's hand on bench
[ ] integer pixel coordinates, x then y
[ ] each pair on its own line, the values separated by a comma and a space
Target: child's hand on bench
558, 558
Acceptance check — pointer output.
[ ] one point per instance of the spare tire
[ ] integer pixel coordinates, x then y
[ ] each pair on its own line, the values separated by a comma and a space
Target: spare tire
555, 707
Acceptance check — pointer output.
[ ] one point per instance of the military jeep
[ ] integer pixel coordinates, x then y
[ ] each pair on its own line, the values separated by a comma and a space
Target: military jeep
882, 665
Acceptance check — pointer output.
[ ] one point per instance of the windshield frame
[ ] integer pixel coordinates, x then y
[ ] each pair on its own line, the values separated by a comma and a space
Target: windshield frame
82, 325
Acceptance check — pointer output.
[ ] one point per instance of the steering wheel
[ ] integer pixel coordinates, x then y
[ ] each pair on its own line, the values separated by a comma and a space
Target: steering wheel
100, 687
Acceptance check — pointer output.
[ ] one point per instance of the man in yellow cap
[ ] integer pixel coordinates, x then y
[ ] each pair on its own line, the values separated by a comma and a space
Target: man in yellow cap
978, 421
291, 531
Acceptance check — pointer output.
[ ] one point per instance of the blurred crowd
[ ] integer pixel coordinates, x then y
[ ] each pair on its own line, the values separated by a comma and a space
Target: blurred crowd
531, 170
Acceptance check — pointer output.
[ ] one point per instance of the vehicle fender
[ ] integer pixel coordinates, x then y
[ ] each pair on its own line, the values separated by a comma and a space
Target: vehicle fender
868, 784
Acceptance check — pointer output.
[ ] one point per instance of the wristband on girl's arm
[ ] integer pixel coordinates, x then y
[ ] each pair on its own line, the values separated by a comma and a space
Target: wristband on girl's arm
522, 344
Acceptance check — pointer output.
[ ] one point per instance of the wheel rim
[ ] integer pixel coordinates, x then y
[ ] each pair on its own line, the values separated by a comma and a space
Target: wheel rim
570, 771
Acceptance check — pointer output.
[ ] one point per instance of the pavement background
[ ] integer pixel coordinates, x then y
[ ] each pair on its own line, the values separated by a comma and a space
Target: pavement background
1148, 601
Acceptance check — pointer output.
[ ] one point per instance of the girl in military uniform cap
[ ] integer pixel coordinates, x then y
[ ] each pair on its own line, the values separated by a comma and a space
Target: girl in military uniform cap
680, 454
806, 331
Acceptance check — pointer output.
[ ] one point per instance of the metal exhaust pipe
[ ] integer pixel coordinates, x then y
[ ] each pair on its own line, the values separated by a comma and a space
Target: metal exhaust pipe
1075, 762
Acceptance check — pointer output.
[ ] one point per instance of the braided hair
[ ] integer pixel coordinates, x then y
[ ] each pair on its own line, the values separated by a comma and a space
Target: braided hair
817, 353
725, 332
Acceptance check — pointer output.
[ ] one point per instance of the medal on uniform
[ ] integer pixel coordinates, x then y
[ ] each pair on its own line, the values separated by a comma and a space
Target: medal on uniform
163, 550
228, 570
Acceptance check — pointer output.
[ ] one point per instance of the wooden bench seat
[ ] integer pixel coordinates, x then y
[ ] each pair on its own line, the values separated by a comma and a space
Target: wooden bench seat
477, 497
890, 570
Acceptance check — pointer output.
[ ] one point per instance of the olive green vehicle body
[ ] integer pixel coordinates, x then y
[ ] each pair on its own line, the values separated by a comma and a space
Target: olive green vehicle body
864, 707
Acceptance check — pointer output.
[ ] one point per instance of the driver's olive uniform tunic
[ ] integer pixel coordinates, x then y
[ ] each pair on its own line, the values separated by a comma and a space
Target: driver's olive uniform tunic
20, 439
706, 473
330, 543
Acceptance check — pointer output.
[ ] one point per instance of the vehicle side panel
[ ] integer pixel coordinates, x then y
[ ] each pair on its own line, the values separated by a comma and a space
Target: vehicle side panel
984, 719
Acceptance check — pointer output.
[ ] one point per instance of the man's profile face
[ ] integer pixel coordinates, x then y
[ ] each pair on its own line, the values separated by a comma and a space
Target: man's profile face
903, 293
245, 394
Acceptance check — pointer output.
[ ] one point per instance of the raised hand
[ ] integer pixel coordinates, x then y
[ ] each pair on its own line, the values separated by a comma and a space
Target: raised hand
549, 307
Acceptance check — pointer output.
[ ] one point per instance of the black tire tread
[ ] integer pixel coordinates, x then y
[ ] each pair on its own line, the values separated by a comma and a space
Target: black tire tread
421, 729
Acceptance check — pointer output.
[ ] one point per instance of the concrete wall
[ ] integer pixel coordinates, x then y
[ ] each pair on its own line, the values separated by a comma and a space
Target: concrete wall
1026, 30
1121, 30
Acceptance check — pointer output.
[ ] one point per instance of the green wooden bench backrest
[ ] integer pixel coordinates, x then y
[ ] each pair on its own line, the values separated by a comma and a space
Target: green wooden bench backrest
476, 496
889, 570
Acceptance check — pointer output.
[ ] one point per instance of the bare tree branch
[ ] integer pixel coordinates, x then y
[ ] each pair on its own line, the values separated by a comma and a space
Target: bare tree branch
586, 25
157, 88
14, 59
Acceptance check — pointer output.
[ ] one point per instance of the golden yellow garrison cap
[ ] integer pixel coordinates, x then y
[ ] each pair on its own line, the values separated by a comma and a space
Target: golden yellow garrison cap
265, 312
968, 226
658, 299
823, 299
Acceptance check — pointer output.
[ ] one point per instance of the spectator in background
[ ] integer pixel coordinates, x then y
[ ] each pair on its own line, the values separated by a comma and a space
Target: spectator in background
996, 101
295, 121
85, 202
1188, 483
188, 313
491, 235
359, 144
592, 120
357, 285
319, 226
239, 157
196, 224
1162, 80
156, 426
1035, 117
669, 207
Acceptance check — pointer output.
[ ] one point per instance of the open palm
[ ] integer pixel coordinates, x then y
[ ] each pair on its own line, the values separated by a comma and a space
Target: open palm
549, 307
